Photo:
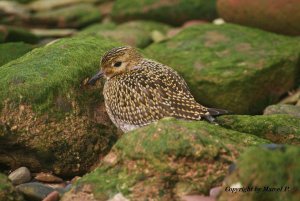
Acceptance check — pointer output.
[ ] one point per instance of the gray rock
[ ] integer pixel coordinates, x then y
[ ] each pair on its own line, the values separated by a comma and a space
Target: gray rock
20, 176
283, 109
34, 191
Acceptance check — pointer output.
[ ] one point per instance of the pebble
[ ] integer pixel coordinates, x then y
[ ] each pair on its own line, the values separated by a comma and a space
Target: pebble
48, 177
54, 196
118, 197
34, 190
231, 168
20, 176
197, 198
214, 192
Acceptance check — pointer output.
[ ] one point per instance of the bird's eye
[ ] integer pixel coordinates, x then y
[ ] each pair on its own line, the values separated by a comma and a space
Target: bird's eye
118, 64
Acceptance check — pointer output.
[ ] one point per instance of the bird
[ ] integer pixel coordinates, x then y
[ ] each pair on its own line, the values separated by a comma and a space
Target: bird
139, 91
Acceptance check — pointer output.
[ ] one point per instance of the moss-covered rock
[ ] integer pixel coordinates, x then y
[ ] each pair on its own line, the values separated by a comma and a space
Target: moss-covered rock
13, 13
268, 174
43, 5
293, 110
74, 16
278, 128
232, 67
49, 119
23, 1
169, 11
16, 34
267, 14
166, 160
7, 191
134, 33
11, 51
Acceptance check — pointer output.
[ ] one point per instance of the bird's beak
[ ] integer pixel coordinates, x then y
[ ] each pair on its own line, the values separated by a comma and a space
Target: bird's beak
96, 77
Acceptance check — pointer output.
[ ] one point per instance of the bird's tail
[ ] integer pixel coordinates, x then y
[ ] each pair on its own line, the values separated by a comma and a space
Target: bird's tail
217, 112
214, 112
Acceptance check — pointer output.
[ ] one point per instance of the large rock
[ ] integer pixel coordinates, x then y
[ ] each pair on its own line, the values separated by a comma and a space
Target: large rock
43, 5
279, 128
265, 174
280, 16
134, 33
169, 11
49, 120
17, 34
7, 191
232, 67
11, 51
13, 13
74, 16
165, 161
293, 110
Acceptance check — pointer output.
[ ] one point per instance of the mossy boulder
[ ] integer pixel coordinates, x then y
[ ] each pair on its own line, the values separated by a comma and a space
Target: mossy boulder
73, 16
232, 67
278, 128
44, 5
7, 191
293, 110
166, 160
23, 1
168, 11
11, 51
17, 34
13, 13
134, 33
49, 119
266, 14
273, 174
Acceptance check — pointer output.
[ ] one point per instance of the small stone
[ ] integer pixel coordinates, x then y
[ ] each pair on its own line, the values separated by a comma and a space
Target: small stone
48, 177
231, 168
157, 36
214, 192
34, 190
54, 196
218, 21
118, 197
197, 198
20, 176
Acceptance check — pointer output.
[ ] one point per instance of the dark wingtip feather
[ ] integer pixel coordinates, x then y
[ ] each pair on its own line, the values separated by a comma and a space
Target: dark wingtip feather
217, 112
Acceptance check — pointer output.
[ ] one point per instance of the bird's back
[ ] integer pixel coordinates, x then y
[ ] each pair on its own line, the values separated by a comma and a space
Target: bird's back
148, 93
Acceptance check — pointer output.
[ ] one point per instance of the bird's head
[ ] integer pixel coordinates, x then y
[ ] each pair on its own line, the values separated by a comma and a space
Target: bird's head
117, 61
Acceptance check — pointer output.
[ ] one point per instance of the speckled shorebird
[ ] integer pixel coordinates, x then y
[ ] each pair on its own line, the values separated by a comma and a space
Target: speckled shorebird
139, 91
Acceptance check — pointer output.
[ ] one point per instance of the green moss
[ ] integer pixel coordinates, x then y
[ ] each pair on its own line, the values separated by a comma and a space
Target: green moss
168, 158
78, 15
272, 168
278, 128
15, 34
7, 191
47, 72
165, 11
11, 51
134, 33
23, 1
108, 182
220, 64
180, 138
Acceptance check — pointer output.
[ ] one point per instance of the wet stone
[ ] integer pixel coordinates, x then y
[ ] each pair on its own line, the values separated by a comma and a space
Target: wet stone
34, 191
20, 176
47, 177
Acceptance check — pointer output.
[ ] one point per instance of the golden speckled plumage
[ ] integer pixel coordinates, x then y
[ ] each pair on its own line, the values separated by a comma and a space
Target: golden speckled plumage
141, 91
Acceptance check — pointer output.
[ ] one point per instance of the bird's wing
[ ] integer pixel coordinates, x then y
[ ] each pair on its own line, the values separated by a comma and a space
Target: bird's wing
168, 92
